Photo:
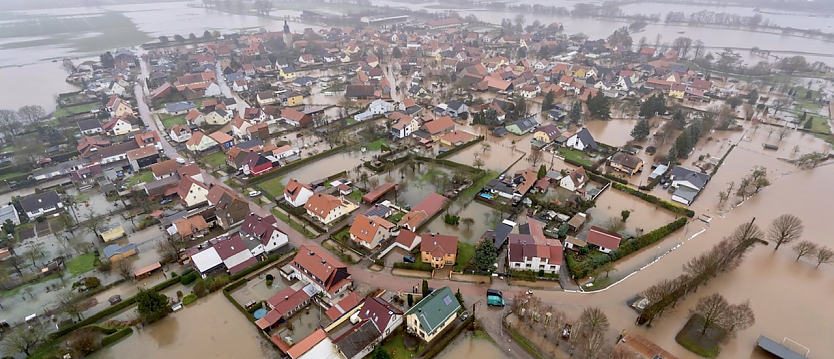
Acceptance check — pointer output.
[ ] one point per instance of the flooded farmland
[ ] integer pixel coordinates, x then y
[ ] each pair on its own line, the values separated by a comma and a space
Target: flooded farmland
467, 346
195, 332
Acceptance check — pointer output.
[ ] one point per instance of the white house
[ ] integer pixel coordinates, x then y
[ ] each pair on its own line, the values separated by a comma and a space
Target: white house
117, 127
285, 151
687, 184
180, 133
239, 127
603, 240
380, 107
89, 127
192, 192
526, 255
370, 231
296, 193
405, 126
116, 88
582, 141
218, 117
212, 90
315, 346
265, 230
575, 180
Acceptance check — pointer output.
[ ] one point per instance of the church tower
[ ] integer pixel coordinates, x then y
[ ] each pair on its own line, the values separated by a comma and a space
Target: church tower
287, 35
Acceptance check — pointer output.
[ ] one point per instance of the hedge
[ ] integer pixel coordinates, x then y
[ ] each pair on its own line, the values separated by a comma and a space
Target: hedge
188, 278
582, 269
189, 298
113, 309
654, 200
101, 329
460, 148
420, 266
283, 170
112, 338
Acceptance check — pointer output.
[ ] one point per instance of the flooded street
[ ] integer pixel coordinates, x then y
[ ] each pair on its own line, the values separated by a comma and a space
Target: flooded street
195, 332
467, 346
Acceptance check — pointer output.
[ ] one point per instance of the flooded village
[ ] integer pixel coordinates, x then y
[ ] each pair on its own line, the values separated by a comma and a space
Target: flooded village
415, 180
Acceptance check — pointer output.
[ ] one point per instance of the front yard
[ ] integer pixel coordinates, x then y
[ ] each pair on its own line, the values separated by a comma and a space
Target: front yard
395, 346
273, 187
376, 145
215, 160
169, 121
143, 176
81, 264
578, 156
74, 110
465, 253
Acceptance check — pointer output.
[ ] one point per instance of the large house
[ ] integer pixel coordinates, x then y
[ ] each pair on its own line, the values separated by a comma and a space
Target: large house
180, 133
327, 208
636, 346
687, 184
296, 118
439, 250
227, 253
200, 142
432, 314
316, 266
533, 251
142, 157
624, 162
377, 319
523, 126
297, 193
582, 141
369, 231
41, 204
546, 134
229, 208
192, 192
89, 127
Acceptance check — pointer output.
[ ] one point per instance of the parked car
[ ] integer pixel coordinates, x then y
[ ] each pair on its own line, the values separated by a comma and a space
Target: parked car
115, 299
409, 259
254, 193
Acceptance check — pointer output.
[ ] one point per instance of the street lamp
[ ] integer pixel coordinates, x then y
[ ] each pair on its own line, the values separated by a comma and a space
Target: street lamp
656, 252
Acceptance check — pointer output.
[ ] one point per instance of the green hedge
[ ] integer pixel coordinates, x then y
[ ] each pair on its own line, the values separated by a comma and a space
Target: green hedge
283, 170
15, 169
460, 148
107, 312
188, 278
420, 266
579, 270
101, 329
237, 305
654, 200
112, 338
189, 298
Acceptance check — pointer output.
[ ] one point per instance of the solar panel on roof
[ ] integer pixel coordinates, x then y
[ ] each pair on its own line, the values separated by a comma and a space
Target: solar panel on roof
447, 299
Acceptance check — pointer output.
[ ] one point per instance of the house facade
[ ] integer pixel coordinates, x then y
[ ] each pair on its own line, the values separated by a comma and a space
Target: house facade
297, 193
439, 250
432, 314
327, 208
370, 231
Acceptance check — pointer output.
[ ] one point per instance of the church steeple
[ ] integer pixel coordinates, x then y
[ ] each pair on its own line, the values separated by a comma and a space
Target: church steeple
287, 35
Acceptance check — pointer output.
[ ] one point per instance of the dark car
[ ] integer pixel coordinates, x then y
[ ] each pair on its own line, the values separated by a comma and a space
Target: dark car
409, 259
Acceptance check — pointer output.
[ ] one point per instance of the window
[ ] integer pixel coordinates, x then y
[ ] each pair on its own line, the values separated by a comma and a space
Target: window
529, 265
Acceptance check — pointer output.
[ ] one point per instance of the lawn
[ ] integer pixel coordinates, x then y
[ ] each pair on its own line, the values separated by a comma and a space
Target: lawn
478, 185
820, 125
7, 149
10, 175
465, 253
376, 145
81, 264
273, 187
396, 217
396, 347
143, 176
283, 217
575, 155
350, 121
74, 110
356, 195
215, 160
169, 121
705, 345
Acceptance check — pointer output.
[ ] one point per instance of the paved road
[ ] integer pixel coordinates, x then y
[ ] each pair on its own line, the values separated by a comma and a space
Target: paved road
224, 88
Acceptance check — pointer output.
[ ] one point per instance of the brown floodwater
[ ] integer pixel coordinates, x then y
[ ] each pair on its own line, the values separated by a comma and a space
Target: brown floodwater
210, 328
467, 346
343, 161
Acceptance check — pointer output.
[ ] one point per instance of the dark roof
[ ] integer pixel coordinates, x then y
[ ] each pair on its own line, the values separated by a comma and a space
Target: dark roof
90, 124
455, 105
117, 149
777, 349
684, 174
498, 185
359, 91
357, 338
626, 159
500, 234
34, 202
586, 138
525, 124
251, 143
378, 210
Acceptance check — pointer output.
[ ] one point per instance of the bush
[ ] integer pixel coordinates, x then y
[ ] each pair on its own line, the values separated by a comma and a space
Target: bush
188, 278
200, 289
654, 200
92, 282
188, 299
174, 274
105, 265
112, 338
100, 329
270, 277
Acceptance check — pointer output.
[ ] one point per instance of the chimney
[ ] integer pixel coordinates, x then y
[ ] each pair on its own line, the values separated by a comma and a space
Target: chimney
310, 252
286, 297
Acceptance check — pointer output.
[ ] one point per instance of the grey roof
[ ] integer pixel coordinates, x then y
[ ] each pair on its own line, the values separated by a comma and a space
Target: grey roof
34, 202
455, 105
251, 143
9, 212
179, 106
659, 171
697, 179
221, 112
777, 349
500, 131
115, 249
357, 338
378, 210
686, 193
304, 79
501, 232
525, 124
497, 185
435, 309
261, 63
89, 124
232, 77
61, 168
586, 138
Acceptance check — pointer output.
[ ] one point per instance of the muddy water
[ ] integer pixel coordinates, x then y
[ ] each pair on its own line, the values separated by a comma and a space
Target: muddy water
482, 214
467, 346
195, 332
344, 161
613, 132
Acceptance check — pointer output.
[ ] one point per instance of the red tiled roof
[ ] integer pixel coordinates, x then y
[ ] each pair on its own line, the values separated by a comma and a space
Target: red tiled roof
603, 238
307, 343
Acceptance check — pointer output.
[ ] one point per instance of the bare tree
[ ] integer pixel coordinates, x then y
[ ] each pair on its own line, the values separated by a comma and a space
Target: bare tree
593, 320
713, 309
23, 339
824, 255
804, 248
785, 229
739, 317
70, 302
9, 122
125, 268
31, 114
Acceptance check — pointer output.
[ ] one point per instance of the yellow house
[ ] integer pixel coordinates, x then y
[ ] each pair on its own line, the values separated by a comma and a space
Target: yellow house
112, 232
546, 133
580, 73
288, 73
432, 314
677, 91
293, 99
627, 163
439, 250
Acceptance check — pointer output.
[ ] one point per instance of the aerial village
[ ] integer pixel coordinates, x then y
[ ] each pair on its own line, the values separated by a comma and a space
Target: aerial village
362, 191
